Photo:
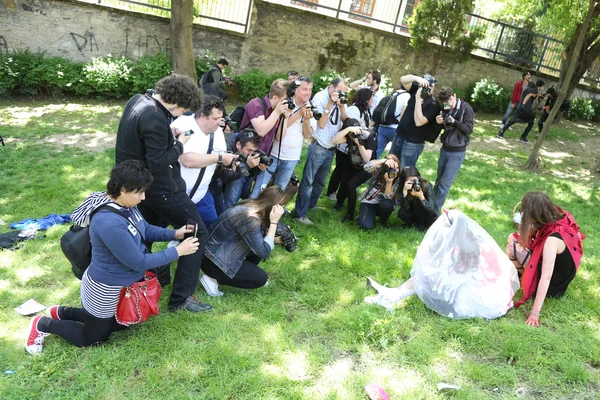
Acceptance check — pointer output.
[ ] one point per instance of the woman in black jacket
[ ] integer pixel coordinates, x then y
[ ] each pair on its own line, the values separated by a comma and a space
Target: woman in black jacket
416, 200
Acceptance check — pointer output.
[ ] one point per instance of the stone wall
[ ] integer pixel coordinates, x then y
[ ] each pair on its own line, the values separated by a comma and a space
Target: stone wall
280, 39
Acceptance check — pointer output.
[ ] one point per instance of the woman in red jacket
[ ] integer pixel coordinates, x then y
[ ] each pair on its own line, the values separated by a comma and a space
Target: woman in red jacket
555, 242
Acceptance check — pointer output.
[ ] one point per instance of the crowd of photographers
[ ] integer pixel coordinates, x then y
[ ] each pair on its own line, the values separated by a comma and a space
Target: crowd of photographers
204, 162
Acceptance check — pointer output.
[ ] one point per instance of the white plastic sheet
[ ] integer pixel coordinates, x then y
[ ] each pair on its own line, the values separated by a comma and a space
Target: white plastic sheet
461, 272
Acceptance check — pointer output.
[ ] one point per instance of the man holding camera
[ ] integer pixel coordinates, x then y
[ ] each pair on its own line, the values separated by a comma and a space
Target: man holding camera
287, 147
456, 120
331, 104
202, 153
372, 81
144, 134
418, 121
213, 81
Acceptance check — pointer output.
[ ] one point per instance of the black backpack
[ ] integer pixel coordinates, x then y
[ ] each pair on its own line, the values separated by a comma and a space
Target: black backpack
238, 114
76, 246
385, 112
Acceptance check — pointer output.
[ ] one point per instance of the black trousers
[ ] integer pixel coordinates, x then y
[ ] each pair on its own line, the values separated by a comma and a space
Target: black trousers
417, 215
352, 178
542, 119
341, 160
368, 213
249, 276
175, 209
80, 328
516, 120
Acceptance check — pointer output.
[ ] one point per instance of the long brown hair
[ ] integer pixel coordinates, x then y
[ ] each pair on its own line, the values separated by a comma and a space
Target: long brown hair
385, 168
536, 211
262, 205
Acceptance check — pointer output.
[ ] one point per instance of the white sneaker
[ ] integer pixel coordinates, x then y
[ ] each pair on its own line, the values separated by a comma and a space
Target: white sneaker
212, 288
332, 197
173, 243
304, 220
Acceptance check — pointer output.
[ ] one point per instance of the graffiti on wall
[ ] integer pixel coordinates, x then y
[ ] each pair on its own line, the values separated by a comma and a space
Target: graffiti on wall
3, 45
82, 41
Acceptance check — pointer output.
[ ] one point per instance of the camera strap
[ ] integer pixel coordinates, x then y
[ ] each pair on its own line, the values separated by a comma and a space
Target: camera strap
203, 170
334, 116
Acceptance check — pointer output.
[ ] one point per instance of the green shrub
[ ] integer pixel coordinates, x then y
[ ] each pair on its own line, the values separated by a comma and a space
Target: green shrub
204, 61
488, 96
386, 85
322, 79
107, 76
146, 71
581, 109
255, 83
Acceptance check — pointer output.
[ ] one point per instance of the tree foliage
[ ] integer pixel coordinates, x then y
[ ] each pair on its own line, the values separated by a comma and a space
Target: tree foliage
443, 21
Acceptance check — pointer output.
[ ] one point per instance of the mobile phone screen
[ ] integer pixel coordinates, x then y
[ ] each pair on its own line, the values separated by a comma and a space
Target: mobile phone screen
193, 233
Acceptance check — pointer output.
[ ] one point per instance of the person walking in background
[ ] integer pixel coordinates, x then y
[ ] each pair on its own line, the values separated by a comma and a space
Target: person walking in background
515, 96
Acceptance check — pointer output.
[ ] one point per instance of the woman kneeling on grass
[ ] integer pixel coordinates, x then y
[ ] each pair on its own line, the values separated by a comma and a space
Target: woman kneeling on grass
554, 242
119, 258
416, 200
237, 244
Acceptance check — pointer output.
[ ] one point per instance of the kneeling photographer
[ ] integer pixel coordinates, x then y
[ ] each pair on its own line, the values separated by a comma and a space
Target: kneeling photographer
361, 145
287, 146
379, 198
250, 162
416, 200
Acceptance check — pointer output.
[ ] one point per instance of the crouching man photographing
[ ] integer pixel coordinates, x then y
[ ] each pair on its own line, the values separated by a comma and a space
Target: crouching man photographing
456, 119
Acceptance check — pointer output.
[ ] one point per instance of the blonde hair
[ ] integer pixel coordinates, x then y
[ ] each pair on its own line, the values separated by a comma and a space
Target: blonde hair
278, 88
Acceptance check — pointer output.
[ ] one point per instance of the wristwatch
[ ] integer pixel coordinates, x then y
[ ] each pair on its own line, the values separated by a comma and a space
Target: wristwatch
326, 111
220, 160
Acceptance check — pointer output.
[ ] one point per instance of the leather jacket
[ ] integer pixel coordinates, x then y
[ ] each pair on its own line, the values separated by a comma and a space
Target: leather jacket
233, 236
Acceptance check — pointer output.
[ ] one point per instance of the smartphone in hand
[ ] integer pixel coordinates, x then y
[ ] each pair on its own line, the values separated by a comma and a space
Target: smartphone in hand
194, 224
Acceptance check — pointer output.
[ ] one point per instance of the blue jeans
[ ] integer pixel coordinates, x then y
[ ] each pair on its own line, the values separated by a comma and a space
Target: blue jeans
233, 191
448, 165
282, 175
407, 152
206, 209
317, 166
509, 110
385, 134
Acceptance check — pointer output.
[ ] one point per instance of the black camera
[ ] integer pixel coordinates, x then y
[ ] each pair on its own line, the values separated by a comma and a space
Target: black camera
416, 185
342, 97
294, 180
290, 103
425, 91
392, 173
264, 159
291, 89
288, 238
231, 124
446, 113
316, 114
361, 137
240, 164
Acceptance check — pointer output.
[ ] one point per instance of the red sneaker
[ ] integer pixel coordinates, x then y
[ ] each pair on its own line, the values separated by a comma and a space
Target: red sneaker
53, 313
35, 341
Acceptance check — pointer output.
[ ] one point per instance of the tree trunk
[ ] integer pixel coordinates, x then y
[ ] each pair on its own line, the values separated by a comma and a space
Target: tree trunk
566, 81
182, 17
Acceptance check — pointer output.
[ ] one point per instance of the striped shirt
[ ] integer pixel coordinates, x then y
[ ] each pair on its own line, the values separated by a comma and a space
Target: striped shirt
98, 299
324, 136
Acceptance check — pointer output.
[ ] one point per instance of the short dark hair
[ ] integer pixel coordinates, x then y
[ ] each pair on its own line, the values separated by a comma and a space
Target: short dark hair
208, 104
376, 75
293, 72
540, 83
248, 135
131, 175
445, 93
180, 90
222, 61
524, 74
336, 82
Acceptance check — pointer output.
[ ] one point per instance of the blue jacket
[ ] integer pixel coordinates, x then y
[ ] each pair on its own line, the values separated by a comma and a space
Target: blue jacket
119, 257
234, 235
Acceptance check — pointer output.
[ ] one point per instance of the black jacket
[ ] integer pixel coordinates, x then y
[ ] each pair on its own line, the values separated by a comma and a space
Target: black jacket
144, 134
456, 136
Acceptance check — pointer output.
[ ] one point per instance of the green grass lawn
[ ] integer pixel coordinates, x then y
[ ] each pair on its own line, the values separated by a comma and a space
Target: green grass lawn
308, 335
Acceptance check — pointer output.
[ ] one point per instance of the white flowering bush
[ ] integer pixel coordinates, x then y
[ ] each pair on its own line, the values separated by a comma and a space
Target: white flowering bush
322, 79
106, 76
581, 109
488, 96
386, 85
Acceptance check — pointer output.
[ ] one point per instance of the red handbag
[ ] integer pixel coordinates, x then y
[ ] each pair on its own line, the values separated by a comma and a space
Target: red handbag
139, 301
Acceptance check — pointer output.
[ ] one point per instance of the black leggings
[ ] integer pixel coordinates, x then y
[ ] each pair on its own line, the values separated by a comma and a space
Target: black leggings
417, 214
249, 276
352, 178
341, 159
368, 212
79, 327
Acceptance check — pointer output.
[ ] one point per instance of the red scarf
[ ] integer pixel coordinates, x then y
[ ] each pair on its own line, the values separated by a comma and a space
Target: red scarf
569, 231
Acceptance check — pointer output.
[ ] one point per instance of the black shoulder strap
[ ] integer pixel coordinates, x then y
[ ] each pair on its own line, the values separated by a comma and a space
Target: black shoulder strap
264, 104
112, 209
201, 174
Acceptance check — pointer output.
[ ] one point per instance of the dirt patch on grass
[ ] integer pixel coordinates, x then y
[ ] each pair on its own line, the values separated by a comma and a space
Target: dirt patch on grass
92, 142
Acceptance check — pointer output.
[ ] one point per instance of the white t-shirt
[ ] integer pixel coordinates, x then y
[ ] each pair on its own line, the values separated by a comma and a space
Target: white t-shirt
377, 96
198, 143
291, 146
401, 102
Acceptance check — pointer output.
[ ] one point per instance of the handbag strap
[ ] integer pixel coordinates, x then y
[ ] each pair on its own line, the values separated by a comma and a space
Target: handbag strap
203, 170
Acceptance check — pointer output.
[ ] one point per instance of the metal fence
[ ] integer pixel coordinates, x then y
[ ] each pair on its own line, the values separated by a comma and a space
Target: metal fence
233, 15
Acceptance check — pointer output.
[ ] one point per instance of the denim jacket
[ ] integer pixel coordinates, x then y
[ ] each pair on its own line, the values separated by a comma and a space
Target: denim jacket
234, 235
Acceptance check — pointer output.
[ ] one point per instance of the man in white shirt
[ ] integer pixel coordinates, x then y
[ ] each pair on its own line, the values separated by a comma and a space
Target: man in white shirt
386, 133
286, 152
322, 149
372, 80
196, 156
